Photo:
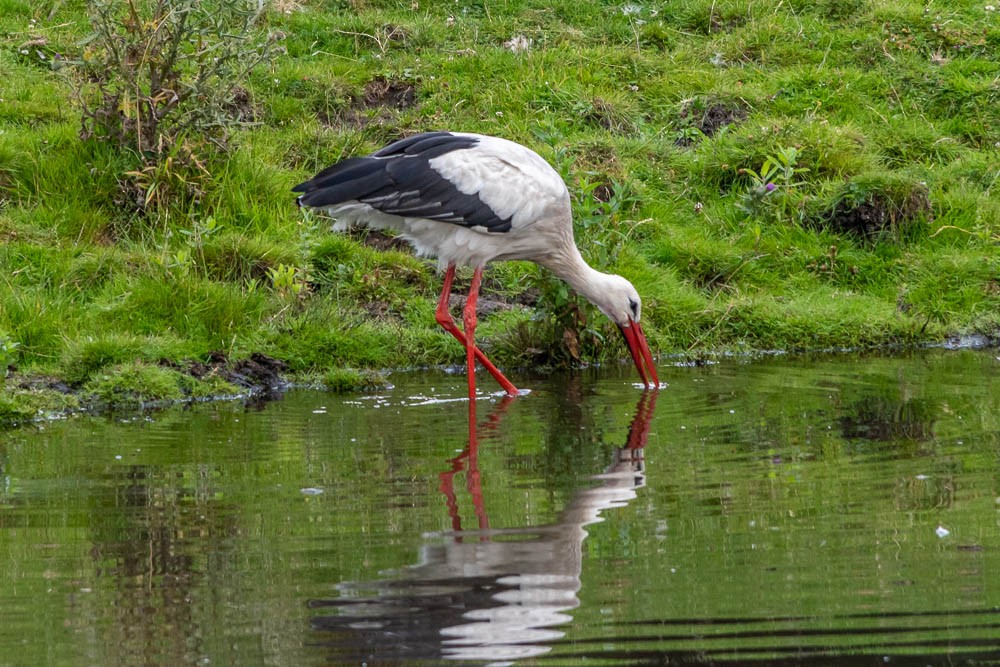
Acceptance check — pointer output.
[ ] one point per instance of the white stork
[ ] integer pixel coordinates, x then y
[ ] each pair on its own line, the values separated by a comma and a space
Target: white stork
471, 199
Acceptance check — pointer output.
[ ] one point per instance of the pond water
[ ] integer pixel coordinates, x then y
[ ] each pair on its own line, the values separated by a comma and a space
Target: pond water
793, 510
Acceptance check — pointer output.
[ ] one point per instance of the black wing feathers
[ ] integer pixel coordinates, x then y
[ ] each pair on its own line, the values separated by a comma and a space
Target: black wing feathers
428, 145
399, 180
341, 167
351, 179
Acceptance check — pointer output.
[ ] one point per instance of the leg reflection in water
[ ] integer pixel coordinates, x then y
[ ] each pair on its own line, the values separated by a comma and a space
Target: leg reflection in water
486, 594
468, 461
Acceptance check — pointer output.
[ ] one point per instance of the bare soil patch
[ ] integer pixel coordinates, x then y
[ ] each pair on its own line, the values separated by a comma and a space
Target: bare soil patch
259, 372
380, 101
879, 216
709, 119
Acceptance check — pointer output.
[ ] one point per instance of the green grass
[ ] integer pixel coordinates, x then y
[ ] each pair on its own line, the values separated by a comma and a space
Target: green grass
888, 105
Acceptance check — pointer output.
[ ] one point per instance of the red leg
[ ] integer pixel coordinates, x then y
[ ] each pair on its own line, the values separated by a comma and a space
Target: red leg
469, 319
443, 316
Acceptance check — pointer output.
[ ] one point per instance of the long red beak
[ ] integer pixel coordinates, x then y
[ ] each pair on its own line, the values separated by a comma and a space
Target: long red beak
639, 349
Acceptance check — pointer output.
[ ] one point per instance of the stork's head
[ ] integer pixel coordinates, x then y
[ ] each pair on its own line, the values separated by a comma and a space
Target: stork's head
617, 298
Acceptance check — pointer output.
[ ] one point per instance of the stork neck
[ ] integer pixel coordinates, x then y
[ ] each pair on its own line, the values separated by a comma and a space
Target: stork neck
585, 280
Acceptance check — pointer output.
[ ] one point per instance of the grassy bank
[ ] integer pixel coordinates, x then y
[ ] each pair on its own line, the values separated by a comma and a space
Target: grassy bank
793, 175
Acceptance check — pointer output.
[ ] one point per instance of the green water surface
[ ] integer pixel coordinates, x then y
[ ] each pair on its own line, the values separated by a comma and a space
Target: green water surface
840, 510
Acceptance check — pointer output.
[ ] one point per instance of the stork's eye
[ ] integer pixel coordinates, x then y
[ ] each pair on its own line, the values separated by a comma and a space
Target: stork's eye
634, 306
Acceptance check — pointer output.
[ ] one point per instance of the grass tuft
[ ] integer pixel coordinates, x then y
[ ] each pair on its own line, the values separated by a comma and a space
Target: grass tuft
347, 380
134, 384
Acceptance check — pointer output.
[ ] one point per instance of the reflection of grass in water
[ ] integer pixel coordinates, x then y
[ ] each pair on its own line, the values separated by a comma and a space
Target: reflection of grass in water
778, 511
883, 418
758, 531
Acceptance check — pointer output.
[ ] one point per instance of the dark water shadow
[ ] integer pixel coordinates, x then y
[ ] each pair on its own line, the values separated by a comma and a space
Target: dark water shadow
481, 594
883, 638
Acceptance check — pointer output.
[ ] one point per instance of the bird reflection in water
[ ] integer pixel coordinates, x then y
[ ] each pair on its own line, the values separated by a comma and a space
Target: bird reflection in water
484, 595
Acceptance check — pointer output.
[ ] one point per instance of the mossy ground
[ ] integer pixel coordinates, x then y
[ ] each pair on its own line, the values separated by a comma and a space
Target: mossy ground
790, 175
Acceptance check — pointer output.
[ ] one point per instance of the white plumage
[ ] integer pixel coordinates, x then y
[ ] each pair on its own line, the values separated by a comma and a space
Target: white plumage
469, 199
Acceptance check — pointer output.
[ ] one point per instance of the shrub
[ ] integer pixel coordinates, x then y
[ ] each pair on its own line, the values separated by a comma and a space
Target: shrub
155, 72
163, 68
